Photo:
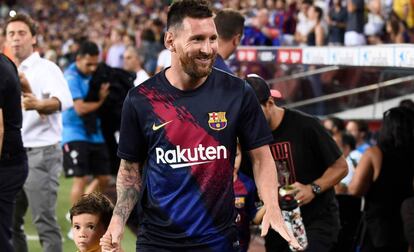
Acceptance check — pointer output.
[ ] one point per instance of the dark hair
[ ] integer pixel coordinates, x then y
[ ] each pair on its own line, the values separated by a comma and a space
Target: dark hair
94, 203
362, 126
397, 129
187, 8
21, 17
229, 23
348, 140
88, 48
337, 122
408, 103
318, 11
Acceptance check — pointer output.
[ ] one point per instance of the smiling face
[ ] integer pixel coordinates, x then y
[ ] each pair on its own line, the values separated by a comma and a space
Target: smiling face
87, 230
20, 40
194, 44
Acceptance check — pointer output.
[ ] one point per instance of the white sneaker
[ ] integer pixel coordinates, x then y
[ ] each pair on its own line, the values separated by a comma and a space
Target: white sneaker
70, 235
67, 217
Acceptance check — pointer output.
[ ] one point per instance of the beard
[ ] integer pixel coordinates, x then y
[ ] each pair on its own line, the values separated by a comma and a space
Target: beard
196, 69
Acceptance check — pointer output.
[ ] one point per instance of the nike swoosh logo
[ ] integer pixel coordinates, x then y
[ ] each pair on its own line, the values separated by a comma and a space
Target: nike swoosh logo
157, 127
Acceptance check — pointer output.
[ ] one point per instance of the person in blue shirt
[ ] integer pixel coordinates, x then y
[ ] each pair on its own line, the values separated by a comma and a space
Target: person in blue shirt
84, 152
230, 25
177, 147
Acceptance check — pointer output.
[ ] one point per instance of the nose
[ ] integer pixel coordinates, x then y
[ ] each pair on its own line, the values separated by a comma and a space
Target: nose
206, 47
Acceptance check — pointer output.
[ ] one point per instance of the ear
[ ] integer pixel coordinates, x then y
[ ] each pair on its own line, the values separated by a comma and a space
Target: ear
34, 40
169, 41
236, 40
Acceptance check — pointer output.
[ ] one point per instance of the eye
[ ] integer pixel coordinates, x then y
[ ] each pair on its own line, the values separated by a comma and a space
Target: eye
77, 227
213, 39
91, 227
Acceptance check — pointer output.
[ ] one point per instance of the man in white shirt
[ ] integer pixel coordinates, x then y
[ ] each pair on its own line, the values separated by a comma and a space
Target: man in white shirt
164, 60
45, 95
133, 64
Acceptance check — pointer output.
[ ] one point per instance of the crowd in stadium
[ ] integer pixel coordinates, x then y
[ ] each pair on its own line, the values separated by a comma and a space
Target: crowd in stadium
64, 24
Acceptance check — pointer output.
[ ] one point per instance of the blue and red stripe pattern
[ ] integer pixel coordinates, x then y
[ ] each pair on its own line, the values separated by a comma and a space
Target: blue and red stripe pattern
188, 198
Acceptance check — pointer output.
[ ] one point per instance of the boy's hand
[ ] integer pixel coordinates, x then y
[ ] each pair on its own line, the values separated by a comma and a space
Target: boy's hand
111, 240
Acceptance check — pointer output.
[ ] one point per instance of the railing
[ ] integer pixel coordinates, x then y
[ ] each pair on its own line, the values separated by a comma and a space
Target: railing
343, 74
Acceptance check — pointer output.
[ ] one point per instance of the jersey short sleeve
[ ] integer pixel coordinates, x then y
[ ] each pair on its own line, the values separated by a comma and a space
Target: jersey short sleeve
74, 87
253, 131
132, 144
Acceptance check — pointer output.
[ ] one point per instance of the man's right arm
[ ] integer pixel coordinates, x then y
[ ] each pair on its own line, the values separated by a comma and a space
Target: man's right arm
128, 186
82, 108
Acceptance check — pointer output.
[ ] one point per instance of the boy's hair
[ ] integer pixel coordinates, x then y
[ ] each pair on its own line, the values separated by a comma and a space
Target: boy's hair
94, 203
187, 8
229, 23
21, 17
88, 48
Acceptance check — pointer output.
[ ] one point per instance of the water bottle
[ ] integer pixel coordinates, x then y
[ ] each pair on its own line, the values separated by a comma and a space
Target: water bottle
293, 219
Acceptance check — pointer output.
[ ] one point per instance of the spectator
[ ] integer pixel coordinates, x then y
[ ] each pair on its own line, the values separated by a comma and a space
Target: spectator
133, 64
359, 130
385, 177
396, 30
404, 11
335, 126
354, 34
117, 48
45, 95
304, 25
260, 32
337, 23
151, 48
13, 159
316, 36
374, 27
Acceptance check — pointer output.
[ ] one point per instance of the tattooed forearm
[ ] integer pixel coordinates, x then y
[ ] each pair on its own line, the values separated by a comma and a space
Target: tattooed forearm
128, 185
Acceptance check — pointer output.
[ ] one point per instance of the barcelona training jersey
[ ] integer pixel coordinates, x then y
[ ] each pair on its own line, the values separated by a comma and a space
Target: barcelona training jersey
187, 141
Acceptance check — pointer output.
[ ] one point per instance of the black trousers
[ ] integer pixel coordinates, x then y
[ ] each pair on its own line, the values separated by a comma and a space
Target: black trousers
12, 178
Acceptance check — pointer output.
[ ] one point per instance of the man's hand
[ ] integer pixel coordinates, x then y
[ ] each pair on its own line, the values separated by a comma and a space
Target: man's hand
273, 218
25, 83
30, 102
104, 91
111, 240
304, 193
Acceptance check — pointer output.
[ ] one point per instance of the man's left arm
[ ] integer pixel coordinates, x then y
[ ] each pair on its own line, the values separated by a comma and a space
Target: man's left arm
56, 97
332, 176
265, 175
43, 106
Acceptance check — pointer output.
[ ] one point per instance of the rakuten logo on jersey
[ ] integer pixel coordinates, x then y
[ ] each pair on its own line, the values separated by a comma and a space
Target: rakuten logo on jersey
179, 158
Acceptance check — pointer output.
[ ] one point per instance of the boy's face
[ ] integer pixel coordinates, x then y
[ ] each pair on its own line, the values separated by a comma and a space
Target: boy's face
87, 230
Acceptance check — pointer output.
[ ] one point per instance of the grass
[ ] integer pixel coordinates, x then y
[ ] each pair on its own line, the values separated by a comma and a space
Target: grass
63, 205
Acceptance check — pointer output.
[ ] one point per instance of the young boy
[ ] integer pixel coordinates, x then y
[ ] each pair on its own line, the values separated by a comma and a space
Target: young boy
90, 218
245, 195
